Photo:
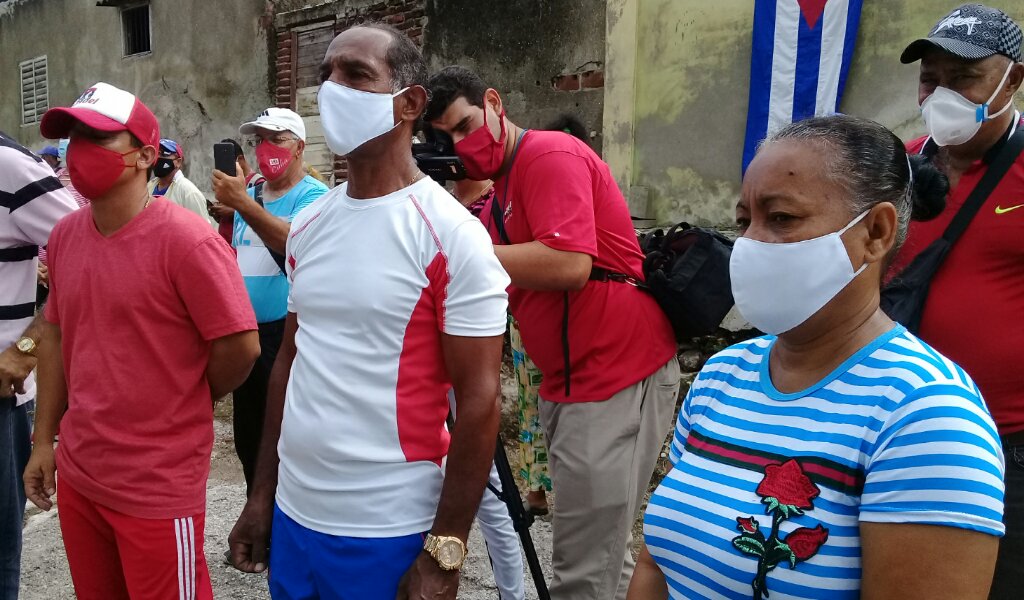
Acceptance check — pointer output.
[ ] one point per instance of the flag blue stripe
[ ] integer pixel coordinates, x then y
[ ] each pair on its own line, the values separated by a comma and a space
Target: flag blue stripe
808, 65
852, 27
762, 54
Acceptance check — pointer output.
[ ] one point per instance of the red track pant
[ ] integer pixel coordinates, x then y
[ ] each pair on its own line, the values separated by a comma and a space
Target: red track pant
117, 557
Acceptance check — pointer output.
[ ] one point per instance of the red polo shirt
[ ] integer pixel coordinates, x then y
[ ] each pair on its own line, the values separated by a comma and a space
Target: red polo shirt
561, 194
975, 308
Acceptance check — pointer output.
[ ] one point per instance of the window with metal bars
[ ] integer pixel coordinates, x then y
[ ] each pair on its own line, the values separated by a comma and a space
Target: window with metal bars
35, 96
135, 26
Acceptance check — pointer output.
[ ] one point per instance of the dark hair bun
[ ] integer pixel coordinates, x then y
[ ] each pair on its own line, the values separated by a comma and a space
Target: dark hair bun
930, 188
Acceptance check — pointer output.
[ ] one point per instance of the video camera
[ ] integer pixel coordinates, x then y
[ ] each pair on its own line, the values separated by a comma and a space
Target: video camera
436, 157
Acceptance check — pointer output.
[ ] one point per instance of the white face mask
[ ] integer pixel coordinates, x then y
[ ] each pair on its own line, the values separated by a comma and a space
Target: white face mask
953, 119
779, 286
351, 118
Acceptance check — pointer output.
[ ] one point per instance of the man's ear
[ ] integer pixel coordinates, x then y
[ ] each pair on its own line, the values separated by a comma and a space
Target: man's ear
414, 103
1015, 80
493, 98
300, 148
146, 157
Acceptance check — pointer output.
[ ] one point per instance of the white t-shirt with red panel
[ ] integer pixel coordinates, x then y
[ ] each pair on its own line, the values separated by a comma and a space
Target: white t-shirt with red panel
375, 285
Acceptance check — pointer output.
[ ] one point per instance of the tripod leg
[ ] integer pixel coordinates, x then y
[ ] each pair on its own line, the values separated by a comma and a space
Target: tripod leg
521, 519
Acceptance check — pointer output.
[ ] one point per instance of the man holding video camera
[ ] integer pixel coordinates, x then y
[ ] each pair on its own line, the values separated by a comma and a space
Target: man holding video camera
606, 350
263, 216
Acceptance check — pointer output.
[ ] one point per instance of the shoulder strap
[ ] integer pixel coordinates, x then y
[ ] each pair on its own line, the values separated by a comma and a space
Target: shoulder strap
498, 218
257, 193
498, 208
999, 167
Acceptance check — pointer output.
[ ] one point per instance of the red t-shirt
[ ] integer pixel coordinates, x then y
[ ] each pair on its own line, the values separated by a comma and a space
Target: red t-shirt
976, 301
561, 194
137, 312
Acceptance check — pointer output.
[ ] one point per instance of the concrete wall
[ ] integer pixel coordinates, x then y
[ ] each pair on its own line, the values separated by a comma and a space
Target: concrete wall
519, 47
207, 72
677, 80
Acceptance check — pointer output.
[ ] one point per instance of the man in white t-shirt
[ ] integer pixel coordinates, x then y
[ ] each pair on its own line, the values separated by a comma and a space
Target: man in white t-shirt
396, 298
32, 200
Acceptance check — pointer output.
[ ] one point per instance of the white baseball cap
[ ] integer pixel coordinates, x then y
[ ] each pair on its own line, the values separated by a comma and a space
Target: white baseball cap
276, 119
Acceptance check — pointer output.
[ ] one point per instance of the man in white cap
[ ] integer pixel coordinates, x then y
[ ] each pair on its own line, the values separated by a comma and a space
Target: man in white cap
145, 325
263, 216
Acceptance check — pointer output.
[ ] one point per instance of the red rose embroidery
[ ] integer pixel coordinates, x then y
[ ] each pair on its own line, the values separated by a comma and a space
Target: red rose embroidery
786, 492
747, 524
788, 484
805, 542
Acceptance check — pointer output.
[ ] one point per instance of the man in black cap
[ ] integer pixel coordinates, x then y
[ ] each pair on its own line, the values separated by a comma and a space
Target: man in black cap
970, 70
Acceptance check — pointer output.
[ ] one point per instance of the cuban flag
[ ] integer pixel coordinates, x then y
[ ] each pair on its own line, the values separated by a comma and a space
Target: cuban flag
801, 57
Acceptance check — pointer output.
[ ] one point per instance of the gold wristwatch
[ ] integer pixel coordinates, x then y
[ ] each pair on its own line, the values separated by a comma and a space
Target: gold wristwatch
26, 345
449, 552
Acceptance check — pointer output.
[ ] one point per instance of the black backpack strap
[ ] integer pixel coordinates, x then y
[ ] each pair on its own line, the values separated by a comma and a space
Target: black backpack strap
257, 193
565, 343
999, 167
602, 274
498, 208
499, 219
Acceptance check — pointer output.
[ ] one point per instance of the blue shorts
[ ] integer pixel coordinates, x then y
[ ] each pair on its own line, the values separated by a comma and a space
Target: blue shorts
309, 565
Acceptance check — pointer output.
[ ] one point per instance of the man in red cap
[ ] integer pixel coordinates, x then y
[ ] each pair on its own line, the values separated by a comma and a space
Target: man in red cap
147, 322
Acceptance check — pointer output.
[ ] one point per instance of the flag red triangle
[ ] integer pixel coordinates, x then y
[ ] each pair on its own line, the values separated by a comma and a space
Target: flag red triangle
812, 10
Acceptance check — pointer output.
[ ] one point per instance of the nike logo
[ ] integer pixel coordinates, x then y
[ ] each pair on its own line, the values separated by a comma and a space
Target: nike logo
1002, 211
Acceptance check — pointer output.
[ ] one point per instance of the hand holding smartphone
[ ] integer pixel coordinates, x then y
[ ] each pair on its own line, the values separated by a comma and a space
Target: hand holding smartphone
224, 158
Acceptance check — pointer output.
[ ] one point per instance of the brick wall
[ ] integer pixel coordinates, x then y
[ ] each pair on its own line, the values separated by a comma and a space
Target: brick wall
408, 16
283, 69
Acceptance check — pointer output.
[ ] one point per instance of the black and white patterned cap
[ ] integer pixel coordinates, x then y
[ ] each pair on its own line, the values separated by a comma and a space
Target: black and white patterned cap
972, 32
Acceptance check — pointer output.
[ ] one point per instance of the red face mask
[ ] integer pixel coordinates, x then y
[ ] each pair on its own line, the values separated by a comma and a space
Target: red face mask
481, 154
94, 169
273, 159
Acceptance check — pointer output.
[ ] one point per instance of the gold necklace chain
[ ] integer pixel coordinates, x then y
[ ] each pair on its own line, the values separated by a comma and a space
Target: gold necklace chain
416, 178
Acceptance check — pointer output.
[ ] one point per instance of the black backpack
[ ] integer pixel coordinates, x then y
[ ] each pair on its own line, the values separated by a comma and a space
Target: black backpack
686, 270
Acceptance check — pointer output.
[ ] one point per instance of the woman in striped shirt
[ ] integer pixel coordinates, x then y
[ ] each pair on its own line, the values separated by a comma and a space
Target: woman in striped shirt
841, 457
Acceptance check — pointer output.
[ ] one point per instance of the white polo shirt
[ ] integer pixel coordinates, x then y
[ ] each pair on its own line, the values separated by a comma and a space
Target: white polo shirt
375, 284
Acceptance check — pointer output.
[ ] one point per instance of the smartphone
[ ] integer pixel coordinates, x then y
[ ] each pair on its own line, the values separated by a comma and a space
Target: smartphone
224, 158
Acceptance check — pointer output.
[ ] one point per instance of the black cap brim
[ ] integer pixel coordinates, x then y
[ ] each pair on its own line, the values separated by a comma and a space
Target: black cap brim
918, 48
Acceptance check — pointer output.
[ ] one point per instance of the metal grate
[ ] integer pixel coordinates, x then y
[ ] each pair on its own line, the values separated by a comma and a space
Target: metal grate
35, 97
135, 25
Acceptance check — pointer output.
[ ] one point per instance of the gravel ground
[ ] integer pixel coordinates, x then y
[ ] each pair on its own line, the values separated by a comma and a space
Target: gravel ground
45, 574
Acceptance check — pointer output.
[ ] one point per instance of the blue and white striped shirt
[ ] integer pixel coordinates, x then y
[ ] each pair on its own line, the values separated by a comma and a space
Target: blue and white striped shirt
761, 479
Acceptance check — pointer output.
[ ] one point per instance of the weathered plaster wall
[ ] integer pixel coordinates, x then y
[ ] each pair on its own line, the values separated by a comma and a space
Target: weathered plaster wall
677, 82
518, 47
207, 72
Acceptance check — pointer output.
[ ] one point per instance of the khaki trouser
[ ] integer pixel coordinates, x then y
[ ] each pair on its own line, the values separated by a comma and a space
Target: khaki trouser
602, 455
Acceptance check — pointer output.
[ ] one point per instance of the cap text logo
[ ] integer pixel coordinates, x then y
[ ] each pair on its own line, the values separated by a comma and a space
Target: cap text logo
955, 21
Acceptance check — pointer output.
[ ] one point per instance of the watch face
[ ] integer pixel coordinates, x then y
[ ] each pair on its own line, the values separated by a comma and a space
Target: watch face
450, 554
25, 345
